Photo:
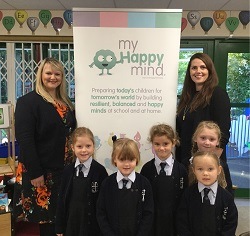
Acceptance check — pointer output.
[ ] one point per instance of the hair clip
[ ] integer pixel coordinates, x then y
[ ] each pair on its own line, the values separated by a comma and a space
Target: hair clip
114, 138
191, 160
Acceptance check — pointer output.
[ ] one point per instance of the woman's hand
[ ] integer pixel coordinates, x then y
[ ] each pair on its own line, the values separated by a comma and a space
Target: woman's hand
38, 182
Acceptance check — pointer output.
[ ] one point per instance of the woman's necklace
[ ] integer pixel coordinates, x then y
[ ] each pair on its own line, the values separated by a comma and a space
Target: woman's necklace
57, 101
186, 109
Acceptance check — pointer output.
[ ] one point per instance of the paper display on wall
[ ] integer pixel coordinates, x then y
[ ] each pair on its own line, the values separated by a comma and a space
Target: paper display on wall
4, 116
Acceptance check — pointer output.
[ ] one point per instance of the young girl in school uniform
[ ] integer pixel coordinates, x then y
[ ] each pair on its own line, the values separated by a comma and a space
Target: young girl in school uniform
81, 181
206, 208
168, 178
207, 138
125, 203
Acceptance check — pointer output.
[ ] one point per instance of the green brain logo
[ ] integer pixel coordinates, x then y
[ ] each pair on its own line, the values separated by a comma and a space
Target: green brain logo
104, 60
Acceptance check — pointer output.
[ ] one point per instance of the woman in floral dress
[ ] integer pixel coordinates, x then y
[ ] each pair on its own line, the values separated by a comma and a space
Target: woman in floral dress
44, 119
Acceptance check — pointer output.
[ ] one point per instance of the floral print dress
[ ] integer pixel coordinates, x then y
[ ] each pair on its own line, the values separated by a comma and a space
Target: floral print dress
38, 204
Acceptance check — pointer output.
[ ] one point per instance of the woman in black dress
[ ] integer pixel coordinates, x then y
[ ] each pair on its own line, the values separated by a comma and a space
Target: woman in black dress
202, 99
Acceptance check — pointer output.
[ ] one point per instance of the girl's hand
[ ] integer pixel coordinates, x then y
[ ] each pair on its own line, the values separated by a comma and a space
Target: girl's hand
59, 234
38, 182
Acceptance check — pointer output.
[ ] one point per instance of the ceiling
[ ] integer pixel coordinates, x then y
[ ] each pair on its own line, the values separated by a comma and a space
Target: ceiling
186, 5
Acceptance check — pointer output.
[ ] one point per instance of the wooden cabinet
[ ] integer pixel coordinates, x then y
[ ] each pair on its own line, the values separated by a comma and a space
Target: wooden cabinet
5, 224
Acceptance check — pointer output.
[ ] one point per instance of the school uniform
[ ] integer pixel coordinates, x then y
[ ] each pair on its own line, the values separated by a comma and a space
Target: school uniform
128, 210
218, 111
167, 191
76, 211
220, 218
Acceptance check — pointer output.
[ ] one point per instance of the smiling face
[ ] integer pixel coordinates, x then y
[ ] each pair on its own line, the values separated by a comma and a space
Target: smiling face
198, 73
206, 169
207, 140
126, 167
51, 77
125, 155
105, 59
83, 148
162, 147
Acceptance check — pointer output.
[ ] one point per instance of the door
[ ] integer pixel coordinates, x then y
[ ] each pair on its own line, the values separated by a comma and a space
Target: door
232, 61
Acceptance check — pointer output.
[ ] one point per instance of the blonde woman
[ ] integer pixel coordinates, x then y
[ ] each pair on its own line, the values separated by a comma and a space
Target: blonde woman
44, 118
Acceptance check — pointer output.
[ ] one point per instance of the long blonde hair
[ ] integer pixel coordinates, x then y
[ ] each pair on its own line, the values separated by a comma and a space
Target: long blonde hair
60, 90
202, 125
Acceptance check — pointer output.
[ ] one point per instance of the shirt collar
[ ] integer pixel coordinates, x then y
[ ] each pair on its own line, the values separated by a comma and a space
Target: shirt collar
86, 163
169, 160
213, 187
131, 177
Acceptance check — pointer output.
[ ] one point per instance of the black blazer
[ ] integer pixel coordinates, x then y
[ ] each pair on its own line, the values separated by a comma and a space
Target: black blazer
107, 206
217, 111
41, 134
97, 173
189, 213
179, 175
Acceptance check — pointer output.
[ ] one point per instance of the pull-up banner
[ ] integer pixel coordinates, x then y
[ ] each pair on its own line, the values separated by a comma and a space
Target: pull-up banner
126, 70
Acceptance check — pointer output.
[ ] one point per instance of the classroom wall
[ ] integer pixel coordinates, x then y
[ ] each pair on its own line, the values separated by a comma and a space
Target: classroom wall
15, 22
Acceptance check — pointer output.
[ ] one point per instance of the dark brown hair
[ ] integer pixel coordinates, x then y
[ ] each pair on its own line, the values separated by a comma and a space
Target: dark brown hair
202, 98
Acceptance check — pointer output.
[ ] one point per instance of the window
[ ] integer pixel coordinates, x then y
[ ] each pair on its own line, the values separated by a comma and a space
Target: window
232, 61
28, 57
3, 73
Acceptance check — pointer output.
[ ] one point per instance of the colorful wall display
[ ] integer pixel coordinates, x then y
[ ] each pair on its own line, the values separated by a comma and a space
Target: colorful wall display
219, 17
45, 16
63, 21
4, 116
193, 18
68, 17
8, 23
206, 23
244, 17
57, 23
33, 19
183, 23
232, 23
33, 23
21, 16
